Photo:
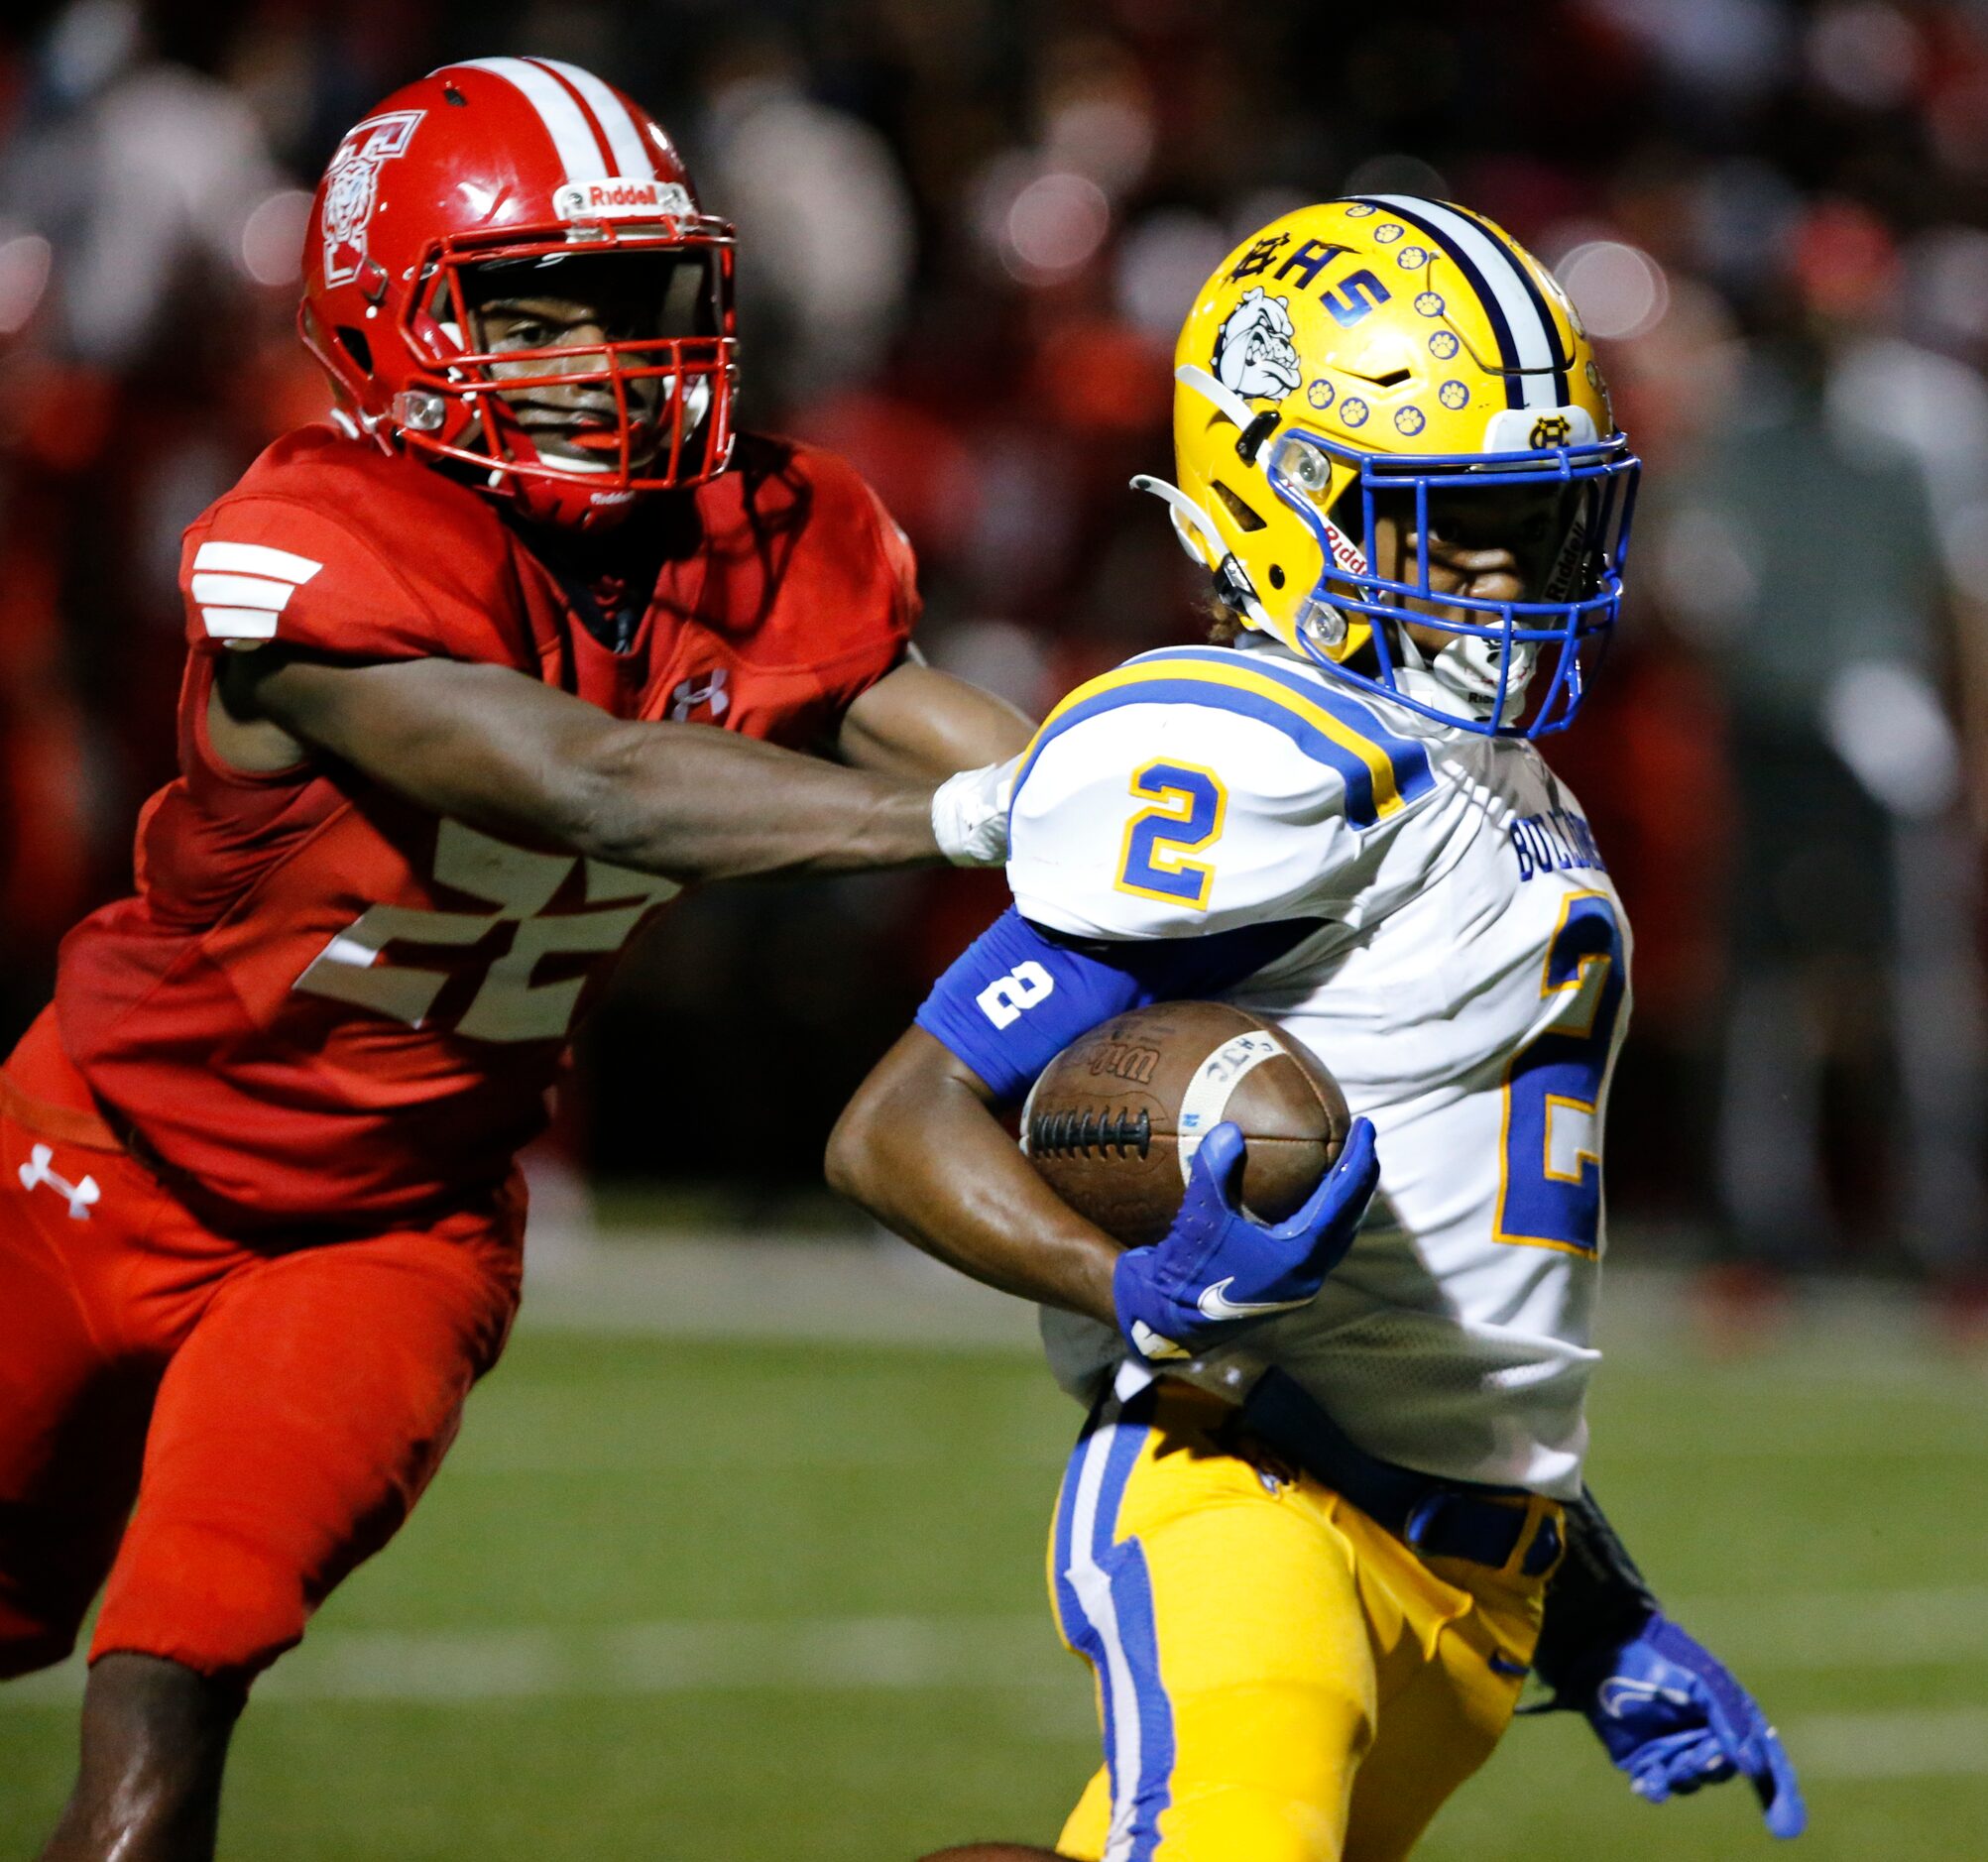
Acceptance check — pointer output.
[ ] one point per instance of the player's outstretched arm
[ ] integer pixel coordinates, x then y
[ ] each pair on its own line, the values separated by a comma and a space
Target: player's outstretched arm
1670, 1713
498, 751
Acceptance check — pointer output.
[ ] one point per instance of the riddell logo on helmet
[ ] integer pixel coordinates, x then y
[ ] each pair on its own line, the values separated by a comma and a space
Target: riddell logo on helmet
1346, 552
621, 201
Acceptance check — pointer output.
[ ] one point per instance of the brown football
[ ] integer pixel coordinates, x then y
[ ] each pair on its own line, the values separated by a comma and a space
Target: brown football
1104, 1124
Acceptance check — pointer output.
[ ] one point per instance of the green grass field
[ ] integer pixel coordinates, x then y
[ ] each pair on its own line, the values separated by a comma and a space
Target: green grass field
760, 1603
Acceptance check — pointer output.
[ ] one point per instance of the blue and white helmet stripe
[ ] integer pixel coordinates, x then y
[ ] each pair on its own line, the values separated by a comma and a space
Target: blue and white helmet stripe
1535, 368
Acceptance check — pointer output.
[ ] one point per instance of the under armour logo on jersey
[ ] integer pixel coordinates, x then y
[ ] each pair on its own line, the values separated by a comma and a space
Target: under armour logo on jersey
706, 689
36, 1172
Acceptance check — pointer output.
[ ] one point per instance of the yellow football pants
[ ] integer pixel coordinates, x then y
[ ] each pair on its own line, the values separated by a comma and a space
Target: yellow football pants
1279, 1679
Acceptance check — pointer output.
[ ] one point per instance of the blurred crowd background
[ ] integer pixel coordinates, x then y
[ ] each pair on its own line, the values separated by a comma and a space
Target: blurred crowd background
969, 230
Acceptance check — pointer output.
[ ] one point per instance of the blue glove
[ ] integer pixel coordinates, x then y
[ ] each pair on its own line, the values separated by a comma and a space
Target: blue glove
1217, 1270
1674, 1718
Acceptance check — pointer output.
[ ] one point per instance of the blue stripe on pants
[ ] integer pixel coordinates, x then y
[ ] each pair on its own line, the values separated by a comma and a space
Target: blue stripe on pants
1105, 1600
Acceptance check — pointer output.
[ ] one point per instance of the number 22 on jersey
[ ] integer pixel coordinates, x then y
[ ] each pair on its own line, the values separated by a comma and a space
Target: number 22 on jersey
1190, 804
1549, 1187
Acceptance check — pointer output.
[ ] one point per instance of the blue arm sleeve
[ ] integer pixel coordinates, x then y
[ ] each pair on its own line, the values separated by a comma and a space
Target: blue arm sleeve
1019, 996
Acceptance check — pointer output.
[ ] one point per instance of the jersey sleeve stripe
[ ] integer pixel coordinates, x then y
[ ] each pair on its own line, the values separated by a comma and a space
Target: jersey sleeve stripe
1410, 758
1371, 793
241, 590
240, 624
256, 559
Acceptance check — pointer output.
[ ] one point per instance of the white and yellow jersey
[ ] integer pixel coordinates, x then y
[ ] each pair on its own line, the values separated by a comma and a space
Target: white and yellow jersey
1457, 957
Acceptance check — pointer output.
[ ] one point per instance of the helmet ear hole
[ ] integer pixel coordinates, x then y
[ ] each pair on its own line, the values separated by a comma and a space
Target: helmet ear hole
1246, 517
354, 344
1276, 575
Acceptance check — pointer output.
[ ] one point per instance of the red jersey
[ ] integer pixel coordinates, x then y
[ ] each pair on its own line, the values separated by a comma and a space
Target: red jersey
327, 1005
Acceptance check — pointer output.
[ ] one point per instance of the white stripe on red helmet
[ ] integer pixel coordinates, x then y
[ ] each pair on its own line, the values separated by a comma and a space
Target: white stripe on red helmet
573, 139
630, 152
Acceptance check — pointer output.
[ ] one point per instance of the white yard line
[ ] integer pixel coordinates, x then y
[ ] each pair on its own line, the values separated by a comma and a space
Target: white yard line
1820, 1631
782, 1290
1903, 1742
1009, 1658
833, 1289
821, 1654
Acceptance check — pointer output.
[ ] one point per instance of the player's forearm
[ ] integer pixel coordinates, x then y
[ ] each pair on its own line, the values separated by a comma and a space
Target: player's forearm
694, 802
919, 1149
493, 750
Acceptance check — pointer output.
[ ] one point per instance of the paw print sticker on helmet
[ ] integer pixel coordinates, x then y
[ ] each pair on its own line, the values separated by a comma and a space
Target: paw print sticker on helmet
1412, 257
1430, 303
1410, 420
1444, 344
1454, 395
1320, 394
1353, 411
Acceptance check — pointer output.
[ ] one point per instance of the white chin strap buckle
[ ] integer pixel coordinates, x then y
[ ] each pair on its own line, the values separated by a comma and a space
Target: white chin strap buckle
1466, 672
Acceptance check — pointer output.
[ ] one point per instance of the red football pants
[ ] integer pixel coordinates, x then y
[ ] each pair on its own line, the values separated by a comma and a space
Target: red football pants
225, 1432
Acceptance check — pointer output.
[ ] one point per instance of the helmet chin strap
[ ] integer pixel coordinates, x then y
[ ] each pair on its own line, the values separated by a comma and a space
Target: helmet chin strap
1219, 392
1463, 671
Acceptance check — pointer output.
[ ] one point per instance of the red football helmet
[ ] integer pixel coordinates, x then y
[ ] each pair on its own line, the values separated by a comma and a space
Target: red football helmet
477, 183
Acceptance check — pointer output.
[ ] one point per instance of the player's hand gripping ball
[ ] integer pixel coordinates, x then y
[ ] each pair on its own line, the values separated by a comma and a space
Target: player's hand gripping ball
1220, 1151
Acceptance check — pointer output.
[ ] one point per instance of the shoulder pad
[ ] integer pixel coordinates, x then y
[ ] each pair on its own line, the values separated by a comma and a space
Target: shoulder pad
802, 555
344, 551
1199, 789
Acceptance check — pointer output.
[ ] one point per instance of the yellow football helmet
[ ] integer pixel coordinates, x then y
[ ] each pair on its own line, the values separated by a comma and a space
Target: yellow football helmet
1366, 354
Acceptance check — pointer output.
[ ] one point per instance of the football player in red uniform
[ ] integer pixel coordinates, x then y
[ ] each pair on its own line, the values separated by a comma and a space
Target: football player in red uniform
481, 673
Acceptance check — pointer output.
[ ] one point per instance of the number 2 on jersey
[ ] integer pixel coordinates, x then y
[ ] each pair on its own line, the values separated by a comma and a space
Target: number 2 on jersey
1190, 804
1550, 1189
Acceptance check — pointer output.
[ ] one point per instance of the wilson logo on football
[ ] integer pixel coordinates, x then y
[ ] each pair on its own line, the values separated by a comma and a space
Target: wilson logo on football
621, 201
1136, 1064
353, 188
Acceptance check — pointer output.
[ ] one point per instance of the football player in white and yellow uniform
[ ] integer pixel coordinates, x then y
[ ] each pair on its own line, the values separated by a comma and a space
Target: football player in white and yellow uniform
1331, 1486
